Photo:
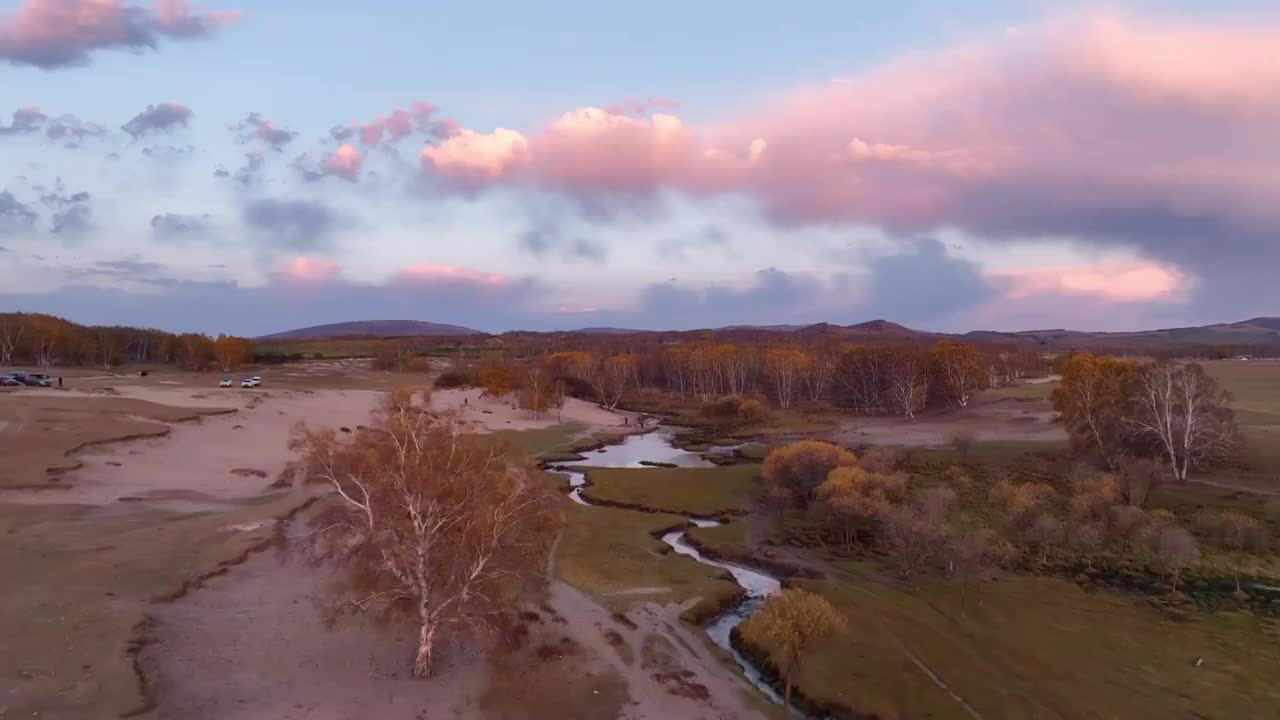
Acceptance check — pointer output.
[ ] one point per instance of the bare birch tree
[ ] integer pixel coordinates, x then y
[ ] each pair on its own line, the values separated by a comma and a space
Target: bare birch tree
10, 335
433, 524
1183, 413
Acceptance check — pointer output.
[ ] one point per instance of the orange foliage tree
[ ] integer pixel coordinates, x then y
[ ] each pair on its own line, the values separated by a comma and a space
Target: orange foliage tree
433, 524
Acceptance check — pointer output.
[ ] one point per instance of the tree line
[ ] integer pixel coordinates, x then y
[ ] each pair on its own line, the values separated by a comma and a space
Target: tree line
38, 340
863, 379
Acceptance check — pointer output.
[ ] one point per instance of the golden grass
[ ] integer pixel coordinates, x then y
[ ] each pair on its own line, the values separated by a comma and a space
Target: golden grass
1038, 647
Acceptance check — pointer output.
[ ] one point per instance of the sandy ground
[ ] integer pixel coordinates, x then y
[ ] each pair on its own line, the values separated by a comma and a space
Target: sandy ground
251, 645
134, 523
489, 413
140, 518
1003, 420
207, 461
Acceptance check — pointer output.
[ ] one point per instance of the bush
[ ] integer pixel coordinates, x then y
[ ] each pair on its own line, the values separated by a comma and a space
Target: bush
750, 410
721, 407
418, 364
799, 468
453, 379
881, 460
957, 479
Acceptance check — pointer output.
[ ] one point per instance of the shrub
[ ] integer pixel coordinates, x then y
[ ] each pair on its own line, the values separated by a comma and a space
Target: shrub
750, 410
453, 379
418, 364
721, 407
880, 459
957, 479
799, 468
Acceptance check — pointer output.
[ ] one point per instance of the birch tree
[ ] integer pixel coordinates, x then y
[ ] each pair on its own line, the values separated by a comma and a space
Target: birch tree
1183, 414
432, 524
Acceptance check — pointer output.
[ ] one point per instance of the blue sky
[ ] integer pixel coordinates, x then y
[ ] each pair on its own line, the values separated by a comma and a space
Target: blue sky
896, 141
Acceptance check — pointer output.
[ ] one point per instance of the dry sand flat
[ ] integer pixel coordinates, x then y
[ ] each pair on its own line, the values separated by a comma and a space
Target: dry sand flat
488, 413
107, 563
250, 645
136, 522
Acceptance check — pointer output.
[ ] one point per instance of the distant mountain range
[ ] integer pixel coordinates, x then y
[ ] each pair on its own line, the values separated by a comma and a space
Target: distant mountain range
1260, 331
372, 328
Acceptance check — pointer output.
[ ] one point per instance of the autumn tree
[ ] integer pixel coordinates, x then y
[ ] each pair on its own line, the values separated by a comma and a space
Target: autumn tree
786, 366
616, 373
795, 471
231, 351
907, 382
11, 331
787, 625
537, 393
432, 524
1092, 398
1183, 414
957, 371
498, 376
852, 501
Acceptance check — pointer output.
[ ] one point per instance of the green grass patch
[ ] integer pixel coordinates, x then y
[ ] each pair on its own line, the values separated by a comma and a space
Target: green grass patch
614, 555
537, 443
1038, 647
755, 452
726, 541
692, 491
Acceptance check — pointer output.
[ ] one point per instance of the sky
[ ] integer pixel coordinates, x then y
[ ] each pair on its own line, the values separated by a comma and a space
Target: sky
247, 167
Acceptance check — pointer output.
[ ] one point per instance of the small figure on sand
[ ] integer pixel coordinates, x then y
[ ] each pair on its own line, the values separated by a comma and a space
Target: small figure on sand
59, 382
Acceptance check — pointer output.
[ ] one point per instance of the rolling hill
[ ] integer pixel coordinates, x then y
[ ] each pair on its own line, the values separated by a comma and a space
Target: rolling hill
372, 328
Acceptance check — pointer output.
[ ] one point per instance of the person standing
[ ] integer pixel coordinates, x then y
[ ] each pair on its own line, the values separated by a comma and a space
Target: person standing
59, 382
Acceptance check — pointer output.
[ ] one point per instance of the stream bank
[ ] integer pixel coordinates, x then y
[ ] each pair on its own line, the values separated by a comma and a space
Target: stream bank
654, 449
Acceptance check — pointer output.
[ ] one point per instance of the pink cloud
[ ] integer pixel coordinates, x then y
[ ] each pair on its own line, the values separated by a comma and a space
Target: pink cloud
436, 273
57, 33
400, 123
1122, 282
473, 156
311, 270
344, 162
1043, 130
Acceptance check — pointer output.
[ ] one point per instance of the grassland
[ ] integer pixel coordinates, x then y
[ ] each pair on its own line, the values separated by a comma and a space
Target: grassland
1035, 647
539, 443
616, 556
1255, 390
694, 491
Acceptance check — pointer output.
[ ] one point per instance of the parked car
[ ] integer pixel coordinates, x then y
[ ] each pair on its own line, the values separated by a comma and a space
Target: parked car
13, 380
38, 380
226, 382
257, 379
250, 383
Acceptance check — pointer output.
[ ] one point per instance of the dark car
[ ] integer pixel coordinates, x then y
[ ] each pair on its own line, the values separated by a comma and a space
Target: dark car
13, 380
38, 380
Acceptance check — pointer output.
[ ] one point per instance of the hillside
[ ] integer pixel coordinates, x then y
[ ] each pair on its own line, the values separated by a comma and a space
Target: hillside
372, 328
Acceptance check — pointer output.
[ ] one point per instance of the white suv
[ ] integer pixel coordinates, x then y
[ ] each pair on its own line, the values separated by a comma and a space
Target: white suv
251, 383
225, 383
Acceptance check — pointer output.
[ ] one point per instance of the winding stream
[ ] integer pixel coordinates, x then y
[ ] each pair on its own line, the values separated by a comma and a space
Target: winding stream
656, 447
